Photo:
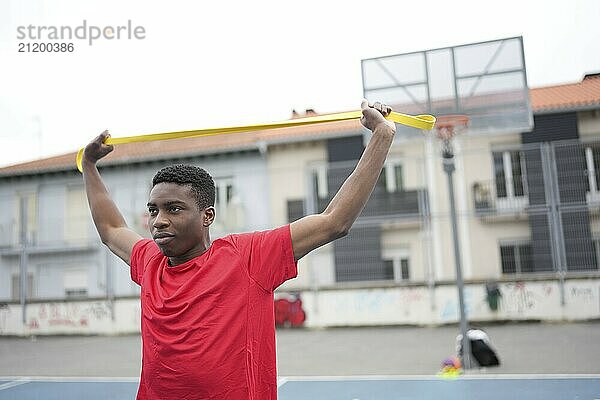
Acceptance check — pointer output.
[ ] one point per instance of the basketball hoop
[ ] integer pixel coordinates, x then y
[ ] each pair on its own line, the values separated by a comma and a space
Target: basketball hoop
446, 126
449, 125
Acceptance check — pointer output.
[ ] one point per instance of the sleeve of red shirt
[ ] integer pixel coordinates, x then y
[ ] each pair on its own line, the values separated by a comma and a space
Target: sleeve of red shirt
142, 251
269, 256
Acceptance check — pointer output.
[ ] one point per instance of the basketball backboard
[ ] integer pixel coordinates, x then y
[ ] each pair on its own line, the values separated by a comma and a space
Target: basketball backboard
485, 81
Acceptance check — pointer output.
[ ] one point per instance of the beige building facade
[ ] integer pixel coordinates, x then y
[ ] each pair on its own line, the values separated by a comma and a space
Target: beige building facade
528, 206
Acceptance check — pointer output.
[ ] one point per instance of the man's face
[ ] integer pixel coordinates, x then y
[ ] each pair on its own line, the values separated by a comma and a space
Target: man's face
176, 224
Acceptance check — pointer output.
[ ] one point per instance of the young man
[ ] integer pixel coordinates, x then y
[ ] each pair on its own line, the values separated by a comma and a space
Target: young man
208, 328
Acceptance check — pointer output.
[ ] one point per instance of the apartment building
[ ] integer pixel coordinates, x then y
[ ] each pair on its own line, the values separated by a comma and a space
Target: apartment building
527, 203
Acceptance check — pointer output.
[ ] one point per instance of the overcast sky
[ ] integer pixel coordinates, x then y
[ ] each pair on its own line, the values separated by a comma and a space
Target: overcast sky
208, 64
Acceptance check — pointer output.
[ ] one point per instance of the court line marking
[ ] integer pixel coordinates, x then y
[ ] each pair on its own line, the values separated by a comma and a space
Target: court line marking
435, 378
14, 383
281, 381
71, 378
20, 380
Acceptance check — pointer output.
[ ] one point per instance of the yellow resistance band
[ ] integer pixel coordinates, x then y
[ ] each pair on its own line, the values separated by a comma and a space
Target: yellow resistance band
425, 122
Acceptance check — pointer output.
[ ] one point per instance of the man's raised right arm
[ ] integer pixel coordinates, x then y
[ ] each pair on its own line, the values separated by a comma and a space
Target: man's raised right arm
109, 221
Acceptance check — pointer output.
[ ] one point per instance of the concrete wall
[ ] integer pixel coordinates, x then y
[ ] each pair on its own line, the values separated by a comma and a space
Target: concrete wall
412, 305
418, 305
72, 318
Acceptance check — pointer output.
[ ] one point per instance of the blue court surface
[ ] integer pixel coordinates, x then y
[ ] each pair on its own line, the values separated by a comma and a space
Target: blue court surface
488, 387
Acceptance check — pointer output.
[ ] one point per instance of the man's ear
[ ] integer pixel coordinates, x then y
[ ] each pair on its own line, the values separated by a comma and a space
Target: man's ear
209, 216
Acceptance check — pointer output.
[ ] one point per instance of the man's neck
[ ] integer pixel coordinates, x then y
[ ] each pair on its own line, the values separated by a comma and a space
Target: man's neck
190, 255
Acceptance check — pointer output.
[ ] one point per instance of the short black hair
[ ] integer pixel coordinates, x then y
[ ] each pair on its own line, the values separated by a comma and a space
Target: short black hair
199, 181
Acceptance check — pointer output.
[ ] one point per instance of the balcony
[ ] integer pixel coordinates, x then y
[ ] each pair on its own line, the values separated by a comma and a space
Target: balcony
405, 205
492, 201
38, 243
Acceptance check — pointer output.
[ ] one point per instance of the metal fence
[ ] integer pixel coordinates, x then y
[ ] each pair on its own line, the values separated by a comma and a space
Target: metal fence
523, 211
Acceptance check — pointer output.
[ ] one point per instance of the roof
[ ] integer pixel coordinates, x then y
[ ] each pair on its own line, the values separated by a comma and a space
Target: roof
570, 97
181, 148
561, 98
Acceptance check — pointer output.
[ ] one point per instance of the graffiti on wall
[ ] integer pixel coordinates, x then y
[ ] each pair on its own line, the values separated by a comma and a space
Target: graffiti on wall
584, 294
518, 297
411, 295
411, 300
521, 297
76, 315
530, 299
375, 304
362, 302
449, 310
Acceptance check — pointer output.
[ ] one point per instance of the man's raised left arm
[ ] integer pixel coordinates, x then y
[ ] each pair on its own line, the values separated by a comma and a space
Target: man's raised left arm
313, 231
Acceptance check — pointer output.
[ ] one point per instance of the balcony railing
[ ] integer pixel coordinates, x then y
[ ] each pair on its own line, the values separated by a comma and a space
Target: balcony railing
403, 204
76, 236
487, 199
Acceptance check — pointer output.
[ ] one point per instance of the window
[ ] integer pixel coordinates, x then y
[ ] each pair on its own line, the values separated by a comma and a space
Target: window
295, 209
592, 159
396, 269
392, 177
223, 193
318, 180
75, 282
316, 186
388, 266
396, 264
516, 258
510, 179
596, 242
230, 210
509, 170
30, 199
76, 214
404, 271
16, 286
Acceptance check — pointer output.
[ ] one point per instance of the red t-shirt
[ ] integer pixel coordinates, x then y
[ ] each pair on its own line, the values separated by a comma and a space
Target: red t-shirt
208, 326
